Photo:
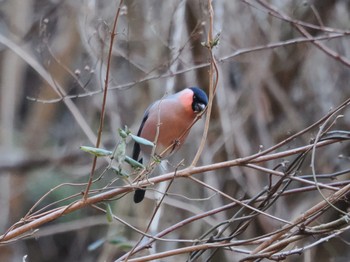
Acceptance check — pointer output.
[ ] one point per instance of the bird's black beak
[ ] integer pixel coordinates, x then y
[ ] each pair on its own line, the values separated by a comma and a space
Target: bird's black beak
199, 107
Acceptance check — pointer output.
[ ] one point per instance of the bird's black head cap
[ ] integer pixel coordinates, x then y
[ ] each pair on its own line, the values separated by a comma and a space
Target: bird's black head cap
200, 99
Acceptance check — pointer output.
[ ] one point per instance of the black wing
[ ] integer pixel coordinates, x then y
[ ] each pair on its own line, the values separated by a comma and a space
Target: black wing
137, 149
140, 192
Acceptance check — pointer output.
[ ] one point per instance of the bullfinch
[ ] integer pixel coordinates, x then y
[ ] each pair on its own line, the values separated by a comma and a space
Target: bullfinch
167, 123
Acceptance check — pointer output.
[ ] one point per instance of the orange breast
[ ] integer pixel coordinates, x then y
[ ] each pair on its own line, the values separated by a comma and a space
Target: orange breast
168, 123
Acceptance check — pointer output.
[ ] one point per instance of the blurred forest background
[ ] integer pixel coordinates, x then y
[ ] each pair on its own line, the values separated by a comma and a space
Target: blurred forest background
282, 66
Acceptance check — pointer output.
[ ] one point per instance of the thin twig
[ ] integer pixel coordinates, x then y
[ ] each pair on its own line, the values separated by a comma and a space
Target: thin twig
103, 108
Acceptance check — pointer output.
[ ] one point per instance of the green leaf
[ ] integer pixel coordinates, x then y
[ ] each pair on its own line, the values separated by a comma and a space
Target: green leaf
120, 152
95, 245
116, 240
156, 159
133, 163
120, 172
123, 133
96, 151
141, 140
216, 40
125, 246
109, 214
120, 242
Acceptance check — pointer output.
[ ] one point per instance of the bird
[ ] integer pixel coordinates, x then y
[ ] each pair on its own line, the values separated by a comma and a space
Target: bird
167, 123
